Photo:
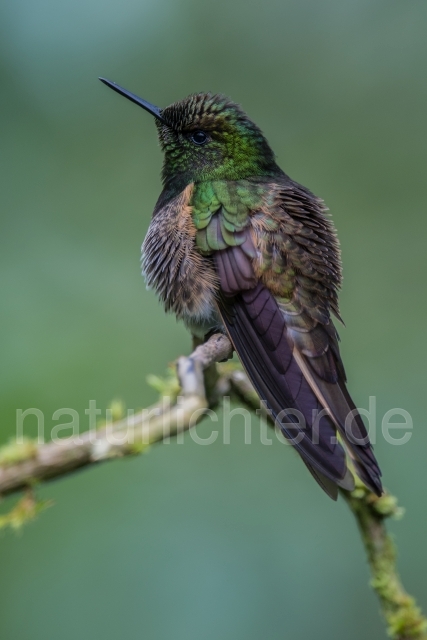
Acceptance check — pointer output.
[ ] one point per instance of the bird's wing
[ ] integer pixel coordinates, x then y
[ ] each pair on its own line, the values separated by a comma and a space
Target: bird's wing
278, 280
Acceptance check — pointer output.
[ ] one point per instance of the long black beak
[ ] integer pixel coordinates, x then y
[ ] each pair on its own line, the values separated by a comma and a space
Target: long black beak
151, 108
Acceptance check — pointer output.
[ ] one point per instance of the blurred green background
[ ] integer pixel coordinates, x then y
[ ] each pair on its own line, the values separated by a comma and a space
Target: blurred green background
187, 542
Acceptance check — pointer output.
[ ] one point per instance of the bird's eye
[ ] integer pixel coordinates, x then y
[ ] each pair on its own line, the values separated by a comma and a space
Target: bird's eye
199, 137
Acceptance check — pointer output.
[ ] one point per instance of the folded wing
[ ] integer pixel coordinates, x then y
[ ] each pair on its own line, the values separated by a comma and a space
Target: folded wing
296, 372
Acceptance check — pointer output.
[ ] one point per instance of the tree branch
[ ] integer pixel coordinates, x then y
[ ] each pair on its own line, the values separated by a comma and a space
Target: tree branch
201, 385
27, 463
404, 619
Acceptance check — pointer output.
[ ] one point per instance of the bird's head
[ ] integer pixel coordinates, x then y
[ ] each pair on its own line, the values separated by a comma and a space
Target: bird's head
207, 137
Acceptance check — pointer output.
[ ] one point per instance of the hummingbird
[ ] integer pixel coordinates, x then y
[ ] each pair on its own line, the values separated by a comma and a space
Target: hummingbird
235, 245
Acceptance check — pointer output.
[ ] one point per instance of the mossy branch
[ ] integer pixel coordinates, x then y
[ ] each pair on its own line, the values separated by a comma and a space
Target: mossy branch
198, 385
22, 465
403, 617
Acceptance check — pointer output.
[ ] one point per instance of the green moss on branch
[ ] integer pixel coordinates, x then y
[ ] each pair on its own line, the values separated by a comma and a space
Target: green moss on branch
403, 617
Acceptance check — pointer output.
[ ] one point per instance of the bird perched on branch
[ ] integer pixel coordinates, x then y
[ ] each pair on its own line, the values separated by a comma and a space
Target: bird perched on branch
236, 245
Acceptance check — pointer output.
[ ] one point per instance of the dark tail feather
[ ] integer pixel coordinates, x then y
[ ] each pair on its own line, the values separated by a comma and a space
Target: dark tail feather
337, 400
329, 487
362, 454
257, 329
